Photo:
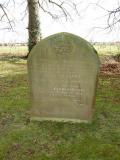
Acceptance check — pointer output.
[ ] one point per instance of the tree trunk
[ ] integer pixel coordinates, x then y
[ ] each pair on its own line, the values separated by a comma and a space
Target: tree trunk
34, 24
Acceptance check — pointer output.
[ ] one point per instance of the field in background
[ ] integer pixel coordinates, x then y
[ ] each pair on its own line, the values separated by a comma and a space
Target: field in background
21, 50
107, 48
15, 50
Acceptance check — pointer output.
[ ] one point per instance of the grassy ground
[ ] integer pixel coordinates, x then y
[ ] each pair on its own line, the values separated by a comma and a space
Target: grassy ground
21, 140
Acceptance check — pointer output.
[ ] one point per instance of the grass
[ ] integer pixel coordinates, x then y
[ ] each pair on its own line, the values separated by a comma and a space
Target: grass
24, 140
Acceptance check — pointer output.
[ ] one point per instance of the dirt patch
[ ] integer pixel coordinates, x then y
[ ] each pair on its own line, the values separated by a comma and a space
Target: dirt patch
110, 64
109, 68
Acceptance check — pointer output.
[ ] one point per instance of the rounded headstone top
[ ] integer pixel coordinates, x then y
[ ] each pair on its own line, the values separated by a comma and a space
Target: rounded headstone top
65, 43
65, 35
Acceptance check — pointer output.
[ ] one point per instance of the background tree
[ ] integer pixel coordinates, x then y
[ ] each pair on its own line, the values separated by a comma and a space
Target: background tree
34, 23
59, 9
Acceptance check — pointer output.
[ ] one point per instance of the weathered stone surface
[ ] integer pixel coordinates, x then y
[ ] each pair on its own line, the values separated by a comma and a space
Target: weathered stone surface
63, 71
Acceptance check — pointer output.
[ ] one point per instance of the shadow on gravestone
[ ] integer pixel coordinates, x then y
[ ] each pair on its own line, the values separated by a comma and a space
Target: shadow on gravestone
63, 70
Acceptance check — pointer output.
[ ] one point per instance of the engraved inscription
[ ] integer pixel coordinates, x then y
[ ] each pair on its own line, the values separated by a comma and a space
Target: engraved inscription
66, 81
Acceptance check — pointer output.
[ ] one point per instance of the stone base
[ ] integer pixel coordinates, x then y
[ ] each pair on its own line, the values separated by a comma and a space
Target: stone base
59, 120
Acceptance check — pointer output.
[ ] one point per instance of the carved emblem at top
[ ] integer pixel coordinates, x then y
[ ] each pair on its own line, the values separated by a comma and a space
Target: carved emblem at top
62, 46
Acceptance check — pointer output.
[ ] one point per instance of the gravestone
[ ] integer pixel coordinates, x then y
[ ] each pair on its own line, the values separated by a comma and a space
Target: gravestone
63, 71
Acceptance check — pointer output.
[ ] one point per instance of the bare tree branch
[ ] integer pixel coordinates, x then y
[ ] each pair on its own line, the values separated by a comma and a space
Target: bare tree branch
6, 15
25, 13
46, 11
113, 15
61, 5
